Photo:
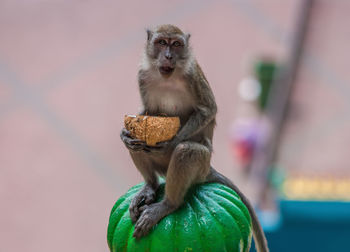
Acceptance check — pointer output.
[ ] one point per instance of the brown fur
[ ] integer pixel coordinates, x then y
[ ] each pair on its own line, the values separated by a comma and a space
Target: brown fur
168, 29
185, 160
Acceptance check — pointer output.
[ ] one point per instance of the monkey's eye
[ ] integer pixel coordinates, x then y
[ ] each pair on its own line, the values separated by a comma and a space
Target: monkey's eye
162, 42
176, 44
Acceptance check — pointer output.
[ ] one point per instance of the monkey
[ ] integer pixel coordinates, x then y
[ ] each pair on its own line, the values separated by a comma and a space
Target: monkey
172, 83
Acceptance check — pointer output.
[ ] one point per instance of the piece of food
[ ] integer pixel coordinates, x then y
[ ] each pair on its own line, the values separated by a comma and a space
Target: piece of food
152, 129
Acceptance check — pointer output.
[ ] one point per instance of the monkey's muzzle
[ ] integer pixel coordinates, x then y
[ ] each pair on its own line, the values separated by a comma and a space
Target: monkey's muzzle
166, 70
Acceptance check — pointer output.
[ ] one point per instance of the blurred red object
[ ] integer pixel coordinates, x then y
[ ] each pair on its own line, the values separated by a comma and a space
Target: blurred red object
243, 138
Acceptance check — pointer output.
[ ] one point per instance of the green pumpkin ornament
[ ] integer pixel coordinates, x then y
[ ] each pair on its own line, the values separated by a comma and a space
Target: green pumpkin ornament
212, 218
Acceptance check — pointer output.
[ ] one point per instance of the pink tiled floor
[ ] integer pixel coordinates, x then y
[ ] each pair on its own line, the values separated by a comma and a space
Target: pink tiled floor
67, 77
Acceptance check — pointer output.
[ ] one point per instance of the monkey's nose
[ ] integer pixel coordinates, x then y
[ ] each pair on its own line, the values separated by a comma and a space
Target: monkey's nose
168, 56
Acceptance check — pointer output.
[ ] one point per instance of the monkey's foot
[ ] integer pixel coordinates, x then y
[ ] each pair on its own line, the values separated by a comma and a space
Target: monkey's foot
146, 196
150, 216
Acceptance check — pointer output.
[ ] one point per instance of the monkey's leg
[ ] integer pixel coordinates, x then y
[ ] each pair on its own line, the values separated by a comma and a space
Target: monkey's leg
258, 233
147, 194
189, 164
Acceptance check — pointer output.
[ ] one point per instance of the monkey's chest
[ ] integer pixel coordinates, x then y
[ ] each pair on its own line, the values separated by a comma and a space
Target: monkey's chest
172, 101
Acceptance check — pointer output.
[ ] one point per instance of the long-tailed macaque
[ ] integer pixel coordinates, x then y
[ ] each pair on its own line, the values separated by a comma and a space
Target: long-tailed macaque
172, 83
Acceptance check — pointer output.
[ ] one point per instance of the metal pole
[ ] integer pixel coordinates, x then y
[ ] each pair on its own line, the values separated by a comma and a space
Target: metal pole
278, 102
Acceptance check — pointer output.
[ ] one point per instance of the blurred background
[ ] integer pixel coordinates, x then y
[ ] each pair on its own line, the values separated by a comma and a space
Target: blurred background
68, 71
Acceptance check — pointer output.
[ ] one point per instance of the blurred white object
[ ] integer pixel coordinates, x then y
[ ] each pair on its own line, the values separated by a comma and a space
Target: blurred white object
249, 89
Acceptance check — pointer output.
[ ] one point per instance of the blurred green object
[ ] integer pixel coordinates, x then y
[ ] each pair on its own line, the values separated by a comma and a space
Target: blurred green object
213, 218
265, 71
276, 177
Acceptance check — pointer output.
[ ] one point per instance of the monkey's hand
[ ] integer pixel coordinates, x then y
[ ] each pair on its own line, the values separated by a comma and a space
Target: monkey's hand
146, 196
131, 143
163, 147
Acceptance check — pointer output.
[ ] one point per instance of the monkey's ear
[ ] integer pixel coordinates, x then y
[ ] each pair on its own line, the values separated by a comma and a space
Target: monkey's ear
149, 34
187, 36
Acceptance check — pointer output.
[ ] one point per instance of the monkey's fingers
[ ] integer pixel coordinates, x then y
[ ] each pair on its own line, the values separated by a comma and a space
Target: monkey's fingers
124, 132
133, 216
143, 225
133, 147
141, 202
164, 144
134, 211
142, 208
132, 141
133, 144
155, 149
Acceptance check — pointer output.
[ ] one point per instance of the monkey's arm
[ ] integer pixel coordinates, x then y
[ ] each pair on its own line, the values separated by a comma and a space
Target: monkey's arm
200, 119
204, 112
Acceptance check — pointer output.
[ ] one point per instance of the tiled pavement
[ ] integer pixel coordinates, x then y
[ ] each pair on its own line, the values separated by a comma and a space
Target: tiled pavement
68, 75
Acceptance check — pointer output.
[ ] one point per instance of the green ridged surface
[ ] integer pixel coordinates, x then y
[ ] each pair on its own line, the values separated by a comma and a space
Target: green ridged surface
213, 218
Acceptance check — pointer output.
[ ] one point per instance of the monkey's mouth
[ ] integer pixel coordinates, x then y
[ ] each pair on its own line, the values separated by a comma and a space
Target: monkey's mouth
166, 70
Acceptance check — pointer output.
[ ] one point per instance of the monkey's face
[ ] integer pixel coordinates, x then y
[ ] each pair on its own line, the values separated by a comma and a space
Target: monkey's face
167, 51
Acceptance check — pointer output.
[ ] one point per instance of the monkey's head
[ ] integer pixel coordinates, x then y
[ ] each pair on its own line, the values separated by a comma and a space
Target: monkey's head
167, 48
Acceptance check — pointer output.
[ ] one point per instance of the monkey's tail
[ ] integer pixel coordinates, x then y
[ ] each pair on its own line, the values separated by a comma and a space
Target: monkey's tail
258, 233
